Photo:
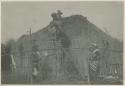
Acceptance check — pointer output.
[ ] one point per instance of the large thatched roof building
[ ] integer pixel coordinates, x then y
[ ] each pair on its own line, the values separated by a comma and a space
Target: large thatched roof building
77, 34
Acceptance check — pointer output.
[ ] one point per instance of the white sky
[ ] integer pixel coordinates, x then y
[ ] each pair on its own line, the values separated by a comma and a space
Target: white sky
18, 17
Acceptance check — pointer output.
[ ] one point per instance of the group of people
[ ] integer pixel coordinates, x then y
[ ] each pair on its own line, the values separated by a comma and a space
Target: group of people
93, 62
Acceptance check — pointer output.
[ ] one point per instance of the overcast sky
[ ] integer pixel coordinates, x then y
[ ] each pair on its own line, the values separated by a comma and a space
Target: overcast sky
18, 17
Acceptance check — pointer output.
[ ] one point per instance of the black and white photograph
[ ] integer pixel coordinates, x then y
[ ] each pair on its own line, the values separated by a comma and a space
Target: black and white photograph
62, 42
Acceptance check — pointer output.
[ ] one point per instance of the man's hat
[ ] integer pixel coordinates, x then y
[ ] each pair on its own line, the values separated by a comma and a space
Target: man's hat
93, 45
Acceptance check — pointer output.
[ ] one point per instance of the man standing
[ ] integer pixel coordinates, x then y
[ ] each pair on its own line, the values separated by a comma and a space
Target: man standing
93, 62
35, 60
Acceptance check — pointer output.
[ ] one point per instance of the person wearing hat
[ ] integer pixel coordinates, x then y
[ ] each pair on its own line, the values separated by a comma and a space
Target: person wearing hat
35, 57
94, 62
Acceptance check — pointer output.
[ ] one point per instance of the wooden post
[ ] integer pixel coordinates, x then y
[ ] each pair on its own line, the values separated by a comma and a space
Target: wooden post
88, 78
30, 40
